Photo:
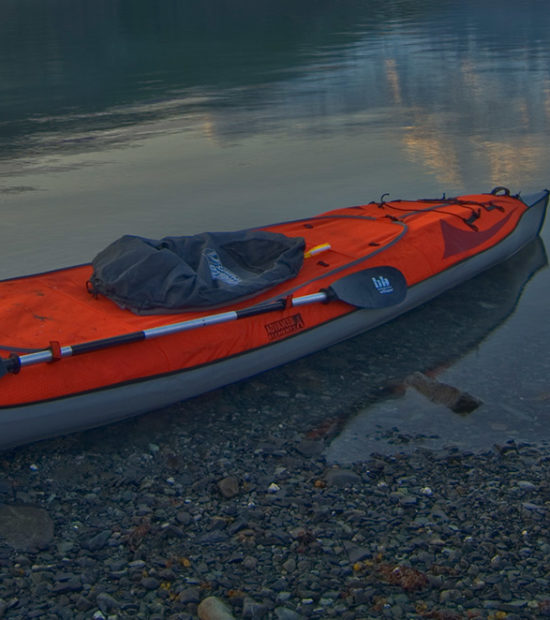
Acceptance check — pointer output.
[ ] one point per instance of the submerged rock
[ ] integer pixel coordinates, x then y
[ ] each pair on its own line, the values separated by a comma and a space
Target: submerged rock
443, 394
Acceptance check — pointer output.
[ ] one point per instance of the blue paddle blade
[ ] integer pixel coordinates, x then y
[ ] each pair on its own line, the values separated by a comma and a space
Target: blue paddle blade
377, 287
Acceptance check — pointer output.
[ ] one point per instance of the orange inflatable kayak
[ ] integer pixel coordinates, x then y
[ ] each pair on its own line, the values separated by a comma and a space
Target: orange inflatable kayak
72, 360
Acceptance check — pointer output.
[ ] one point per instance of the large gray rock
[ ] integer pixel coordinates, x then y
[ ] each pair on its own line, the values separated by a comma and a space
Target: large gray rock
25, 528
212, 608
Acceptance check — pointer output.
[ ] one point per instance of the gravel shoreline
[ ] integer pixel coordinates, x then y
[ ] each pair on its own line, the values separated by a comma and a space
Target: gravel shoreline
252, 518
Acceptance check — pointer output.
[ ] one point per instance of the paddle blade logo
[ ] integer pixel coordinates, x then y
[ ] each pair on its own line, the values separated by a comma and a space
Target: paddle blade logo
382, 285
377, 287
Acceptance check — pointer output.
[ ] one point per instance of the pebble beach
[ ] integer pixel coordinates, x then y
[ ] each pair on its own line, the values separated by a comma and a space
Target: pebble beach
228, 508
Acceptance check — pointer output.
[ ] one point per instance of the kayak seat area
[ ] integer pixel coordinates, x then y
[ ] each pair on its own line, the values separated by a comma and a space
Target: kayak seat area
199, 271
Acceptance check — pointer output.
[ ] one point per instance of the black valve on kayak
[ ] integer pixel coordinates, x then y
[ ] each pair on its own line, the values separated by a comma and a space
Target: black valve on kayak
10, 364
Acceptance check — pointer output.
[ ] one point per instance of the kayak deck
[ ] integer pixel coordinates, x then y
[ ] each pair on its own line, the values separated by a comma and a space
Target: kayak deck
420, 238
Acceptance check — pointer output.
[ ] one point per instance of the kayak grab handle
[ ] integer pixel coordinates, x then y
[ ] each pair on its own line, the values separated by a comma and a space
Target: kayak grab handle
505, 191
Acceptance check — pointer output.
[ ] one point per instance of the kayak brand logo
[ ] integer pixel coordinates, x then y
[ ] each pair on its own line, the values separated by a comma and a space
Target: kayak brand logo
218, 270
284, 327
382, 285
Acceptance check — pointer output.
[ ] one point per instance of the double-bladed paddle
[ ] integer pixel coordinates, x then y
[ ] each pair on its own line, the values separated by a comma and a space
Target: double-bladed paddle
377, 287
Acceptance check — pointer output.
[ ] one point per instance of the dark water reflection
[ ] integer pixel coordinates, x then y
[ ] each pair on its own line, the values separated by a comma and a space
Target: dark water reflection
439, 70
64, 63
126, 116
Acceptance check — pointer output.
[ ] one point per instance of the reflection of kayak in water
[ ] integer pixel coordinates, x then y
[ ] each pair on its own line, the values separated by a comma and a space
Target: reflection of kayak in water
441, 346
477, 308
426, 341
376, 262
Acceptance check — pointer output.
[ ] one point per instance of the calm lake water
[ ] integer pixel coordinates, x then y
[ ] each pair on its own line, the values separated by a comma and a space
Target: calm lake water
126, 116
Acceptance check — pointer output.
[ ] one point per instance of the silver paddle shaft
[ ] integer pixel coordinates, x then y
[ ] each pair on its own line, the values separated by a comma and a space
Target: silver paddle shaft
163, 330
